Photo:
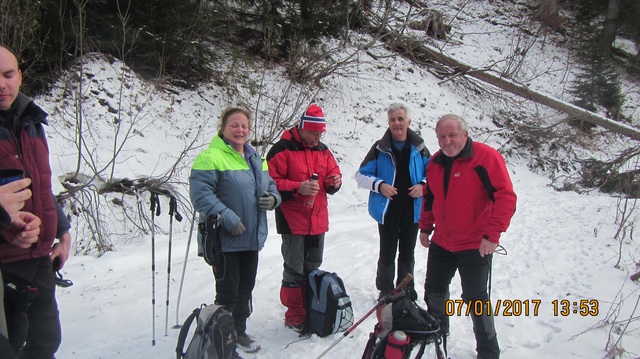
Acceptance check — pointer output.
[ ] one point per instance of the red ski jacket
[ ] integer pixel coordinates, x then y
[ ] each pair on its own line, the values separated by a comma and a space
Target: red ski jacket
291, 162
479, 201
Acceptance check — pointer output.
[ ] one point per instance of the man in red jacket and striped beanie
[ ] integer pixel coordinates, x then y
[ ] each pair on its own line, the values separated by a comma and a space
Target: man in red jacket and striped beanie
302, 219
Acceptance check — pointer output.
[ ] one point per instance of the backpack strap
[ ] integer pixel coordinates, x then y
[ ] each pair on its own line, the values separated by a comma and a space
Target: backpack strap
184, 331
444, 344
417, 313
312, 285
315, 282
423, 344
371, 344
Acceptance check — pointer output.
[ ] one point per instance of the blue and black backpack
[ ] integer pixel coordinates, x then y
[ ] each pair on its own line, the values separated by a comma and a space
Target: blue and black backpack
328, 304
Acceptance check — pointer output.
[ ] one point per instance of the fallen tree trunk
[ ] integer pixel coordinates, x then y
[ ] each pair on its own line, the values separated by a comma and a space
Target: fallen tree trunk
418, 51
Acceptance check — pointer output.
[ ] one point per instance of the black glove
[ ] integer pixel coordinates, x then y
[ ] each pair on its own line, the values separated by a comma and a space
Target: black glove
267, 201
238, 229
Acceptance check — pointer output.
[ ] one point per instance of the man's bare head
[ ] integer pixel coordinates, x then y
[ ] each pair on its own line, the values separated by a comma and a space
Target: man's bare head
10, 78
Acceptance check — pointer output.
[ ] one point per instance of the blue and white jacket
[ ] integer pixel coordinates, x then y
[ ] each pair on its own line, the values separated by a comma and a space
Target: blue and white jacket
379, 166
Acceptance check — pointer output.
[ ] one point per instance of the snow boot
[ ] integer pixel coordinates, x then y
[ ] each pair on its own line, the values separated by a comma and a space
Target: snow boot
246, 344
292, 297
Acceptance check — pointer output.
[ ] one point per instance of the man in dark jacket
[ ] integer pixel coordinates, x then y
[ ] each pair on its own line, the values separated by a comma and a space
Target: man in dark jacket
468, 202
302, 219
23, 147
393, 171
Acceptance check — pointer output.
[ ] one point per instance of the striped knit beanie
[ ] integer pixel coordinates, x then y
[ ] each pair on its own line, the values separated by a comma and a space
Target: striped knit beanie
313, 119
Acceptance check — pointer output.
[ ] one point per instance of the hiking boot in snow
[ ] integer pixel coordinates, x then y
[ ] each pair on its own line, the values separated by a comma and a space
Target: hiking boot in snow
235, 355
298, 328
246, 344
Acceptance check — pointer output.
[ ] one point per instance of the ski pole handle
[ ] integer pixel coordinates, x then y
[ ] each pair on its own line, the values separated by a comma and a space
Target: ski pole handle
408, 279
155, 204
173, 209
397, 292
172, 205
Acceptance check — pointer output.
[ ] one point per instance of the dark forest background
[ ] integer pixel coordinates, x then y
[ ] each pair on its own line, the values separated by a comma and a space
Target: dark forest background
171, 41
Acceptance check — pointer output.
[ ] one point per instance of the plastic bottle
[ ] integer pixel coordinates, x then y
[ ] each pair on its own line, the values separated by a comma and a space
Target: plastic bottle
309, 200
397, 345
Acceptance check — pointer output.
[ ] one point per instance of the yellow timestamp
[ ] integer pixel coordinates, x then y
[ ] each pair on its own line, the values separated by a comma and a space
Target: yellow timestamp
520, 307
503, 307
582, 307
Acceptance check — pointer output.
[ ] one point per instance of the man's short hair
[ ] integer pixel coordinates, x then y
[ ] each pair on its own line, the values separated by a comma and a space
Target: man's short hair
398, 106
462, 124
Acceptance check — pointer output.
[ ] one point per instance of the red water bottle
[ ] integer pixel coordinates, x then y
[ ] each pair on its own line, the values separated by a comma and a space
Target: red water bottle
309, 200
397, 345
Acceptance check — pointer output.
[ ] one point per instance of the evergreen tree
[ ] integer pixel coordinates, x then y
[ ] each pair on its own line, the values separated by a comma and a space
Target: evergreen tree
617, 17
164, 39
597, 83
160, 38
289, 23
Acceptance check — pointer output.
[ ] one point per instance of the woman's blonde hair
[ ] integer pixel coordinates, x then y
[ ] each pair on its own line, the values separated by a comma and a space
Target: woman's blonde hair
233, 110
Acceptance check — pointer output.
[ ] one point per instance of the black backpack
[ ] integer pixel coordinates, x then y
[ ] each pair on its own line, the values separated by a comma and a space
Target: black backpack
402, 326
214, 337
328, 305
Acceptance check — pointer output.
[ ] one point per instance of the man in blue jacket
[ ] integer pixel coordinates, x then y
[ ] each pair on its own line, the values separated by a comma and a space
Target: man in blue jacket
394, 171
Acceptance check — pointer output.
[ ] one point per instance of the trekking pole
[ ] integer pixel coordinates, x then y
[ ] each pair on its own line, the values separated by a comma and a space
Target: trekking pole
155, 211
184, 269
173, 211
499, 250
381, 301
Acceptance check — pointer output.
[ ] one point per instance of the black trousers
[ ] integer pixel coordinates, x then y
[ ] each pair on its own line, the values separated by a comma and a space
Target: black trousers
40, 323
6, 349
234, 291
474, 277
397, 235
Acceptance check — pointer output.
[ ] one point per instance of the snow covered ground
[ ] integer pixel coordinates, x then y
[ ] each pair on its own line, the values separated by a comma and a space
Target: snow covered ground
560, 244
553, 254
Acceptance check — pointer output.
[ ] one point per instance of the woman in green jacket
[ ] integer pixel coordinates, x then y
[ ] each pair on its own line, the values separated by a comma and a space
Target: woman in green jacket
231, 179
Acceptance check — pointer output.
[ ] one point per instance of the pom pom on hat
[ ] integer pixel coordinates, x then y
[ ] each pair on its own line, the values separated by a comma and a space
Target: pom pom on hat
313, 119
